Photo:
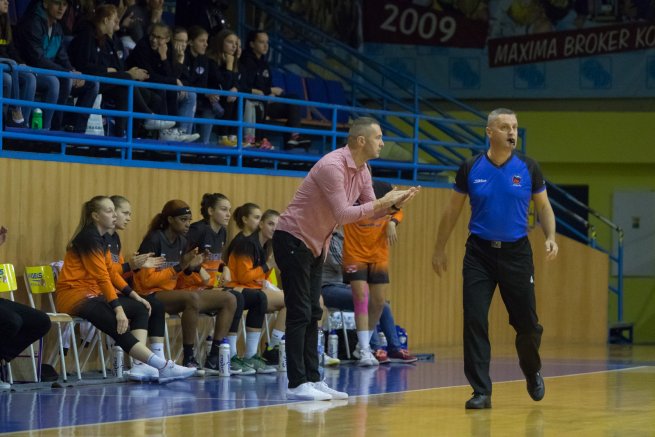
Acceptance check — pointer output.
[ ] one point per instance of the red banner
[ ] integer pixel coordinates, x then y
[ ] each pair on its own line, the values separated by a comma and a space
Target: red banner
570, 44
395, 22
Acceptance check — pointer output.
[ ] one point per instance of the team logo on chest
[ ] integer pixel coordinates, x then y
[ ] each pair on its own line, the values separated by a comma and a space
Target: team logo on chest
516, 180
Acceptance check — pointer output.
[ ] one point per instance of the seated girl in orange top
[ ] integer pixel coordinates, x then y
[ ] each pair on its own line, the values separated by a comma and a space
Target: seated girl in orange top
166, 237
87, 286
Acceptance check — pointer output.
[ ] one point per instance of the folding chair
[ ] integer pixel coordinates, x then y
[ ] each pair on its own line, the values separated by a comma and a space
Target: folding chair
8, 285
40, 280
343, 326
96, 334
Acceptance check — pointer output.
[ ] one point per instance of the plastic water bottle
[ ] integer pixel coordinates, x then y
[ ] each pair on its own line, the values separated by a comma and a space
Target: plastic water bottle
37, 119
383, 341
224, 358
282, 355
321, 347
333, 344
402, 337
117, 361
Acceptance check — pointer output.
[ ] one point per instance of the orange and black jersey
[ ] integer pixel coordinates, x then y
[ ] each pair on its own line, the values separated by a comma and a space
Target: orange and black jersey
165, 277
115, 248
366, 240
247, 262
88, 272
230, 247
202, 236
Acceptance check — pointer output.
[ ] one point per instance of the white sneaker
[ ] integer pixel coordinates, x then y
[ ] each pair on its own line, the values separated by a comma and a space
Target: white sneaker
175, 135
5, 385
307, 392
172, 372
143, 373
158, 124
323, 387
367, 359
331, 361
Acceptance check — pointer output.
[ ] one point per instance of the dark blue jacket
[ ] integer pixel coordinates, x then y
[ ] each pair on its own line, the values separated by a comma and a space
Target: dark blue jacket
37, 47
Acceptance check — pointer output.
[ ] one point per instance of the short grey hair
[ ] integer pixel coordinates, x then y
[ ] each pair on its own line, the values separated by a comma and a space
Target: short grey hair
361, 126
493, 115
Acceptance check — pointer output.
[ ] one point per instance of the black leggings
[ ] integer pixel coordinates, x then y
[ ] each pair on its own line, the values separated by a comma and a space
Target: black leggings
253, 300
157, 318
102, 316
20, 326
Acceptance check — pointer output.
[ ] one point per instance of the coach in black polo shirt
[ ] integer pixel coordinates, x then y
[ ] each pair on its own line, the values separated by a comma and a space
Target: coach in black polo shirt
500, 184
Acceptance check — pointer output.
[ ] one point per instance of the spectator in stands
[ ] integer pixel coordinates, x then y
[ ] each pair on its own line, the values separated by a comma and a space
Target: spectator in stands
225, 50
20, 326
16, 85
87, 286
137, 19
337, 294
154, 55
156, 323
366, 269
166, 237
196, 71
40, 39
95, 50
256, 79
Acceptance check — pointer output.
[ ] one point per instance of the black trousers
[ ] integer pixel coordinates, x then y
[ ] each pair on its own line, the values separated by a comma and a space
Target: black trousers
102, 316
20, 326
510, 267
301, 282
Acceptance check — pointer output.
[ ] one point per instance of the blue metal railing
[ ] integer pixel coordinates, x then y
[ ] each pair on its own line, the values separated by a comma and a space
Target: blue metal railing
409, 171
615, 257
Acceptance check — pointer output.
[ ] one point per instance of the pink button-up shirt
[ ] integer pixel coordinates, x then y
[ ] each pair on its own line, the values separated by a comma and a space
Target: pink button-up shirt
326, 199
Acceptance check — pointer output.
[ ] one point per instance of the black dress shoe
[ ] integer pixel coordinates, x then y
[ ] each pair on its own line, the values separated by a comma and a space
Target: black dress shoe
536, 387
478, 402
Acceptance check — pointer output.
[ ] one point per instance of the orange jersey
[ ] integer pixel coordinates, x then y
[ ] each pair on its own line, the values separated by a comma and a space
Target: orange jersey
366, 240
202, 236
119, 264
88, 273
247, 263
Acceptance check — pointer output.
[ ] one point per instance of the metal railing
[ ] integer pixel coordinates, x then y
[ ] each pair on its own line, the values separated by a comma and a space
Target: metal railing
410, 171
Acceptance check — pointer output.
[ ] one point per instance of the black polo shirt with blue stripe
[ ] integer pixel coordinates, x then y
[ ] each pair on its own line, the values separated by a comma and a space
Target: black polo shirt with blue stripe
499, 195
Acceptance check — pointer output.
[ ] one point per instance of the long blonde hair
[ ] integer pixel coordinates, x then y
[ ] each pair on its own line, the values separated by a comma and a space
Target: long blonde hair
88, 208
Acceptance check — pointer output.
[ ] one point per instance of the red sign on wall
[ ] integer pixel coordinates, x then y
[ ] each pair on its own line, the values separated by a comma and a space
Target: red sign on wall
398, 23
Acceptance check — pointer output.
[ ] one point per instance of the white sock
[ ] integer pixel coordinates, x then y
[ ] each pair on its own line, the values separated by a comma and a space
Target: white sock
158, 349
276, 337
252, 341
156, 362
232, 339
364, 338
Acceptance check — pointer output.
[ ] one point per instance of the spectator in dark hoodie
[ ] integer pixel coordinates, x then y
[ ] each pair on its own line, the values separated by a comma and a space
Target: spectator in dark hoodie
95, 50
40, 39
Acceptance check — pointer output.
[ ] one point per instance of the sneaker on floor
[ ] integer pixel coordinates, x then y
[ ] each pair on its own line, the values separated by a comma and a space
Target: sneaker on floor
272, 355
259, 364
331, 361
158, 124
172, 372
143, 373
5, 385
211, 365
239, 367
307, 392
175, 135
401, 356
191, 363
248, 141
366, 358
381, 356
322, 386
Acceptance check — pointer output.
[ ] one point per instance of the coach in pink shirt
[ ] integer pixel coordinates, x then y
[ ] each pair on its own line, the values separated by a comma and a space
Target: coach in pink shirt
338, 190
